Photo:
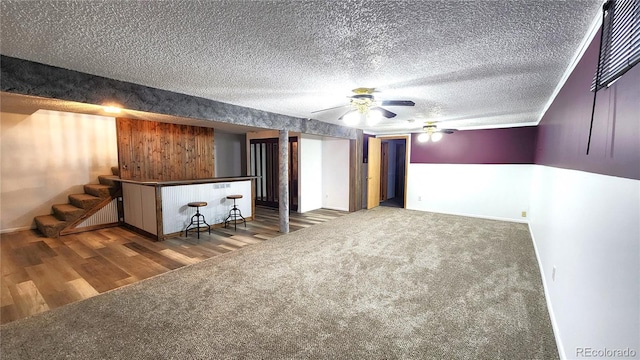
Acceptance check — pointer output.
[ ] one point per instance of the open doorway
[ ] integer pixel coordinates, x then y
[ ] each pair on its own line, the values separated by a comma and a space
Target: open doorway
393, 159
264, 164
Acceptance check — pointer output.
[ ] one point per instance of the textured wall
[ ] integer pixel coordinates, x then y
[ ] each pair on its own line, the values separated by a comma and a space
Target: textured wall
489, 146
615, 143
30, 78
283, 180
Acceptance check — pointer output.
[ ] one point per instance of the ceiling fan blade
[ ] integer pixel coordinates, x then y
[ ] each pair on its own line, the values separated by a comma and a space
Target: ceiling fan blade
386, 113
331, 108
397, 103
341, 116
448, 131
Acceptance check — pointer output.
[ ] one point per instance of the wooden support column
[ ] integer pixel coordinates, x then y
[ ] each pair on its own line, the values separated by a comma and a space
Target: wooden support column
283, 178
355, 172
159, 223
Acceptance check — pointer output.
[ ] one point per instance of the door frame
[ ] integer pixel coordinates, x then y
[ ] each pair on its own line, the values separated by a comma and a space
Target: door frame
407, 139
272, 176
373, 175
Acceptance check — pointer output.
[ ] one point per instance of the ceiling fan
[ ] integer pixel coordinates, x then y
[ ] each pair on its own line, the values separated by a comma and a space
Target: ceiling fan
431, 132
363, 104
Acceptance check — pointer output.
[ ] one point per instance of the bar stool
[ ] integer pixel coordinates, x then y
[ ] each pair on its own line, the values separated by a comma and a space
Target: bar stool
197, 220
234, 213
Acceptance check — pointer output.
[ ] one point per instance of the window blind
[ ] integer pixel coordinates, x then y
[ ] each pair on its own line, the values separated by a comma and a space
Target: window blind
620, 48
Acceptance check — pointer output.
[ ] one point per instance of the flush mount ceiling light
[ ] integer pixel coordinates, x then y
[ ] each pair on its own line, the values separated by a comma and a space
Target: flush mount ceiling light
424, 137
112, 109
437, 136
432, 133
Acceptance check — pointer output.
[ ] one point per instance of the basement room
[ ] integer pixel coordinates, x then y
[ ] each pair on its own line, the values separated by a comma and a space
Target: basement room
311, 179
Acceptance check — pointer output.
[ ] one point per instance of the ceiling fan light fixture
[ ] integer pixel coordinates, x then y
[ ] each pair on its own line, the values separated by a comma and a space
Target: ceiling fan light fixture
363, 102
437, 136
374, 117
424, 137
352, 118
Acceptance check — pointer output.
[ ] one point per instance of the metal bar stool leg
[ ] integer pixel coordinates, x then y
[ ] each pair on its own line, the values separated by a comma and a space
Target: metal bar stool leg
197, 220
234, 213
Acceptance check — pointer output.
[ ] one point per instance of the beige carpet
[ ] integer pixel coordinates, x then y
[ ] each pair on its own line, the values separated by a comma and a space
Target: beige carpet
384, 283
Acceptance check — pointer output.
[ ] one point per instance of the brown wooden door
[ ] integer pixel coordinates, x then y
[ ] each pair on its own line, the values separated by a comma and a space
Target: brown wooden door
373, 173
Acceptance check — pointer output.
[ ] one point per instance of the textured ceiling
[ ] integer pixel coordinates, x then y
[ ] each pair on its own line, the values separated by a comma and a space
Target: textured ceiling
472, 63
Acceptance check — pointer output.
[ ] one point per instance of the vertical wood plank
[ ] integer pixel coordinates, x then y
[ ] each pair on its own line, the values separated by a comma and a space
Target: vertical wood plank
150, 150
211, 135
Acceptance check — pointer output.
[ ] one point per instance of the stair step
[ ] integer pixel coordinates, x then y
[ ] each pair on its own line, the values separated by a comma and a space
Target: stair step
67, 212
50, 225
115, 170
109, 180
84, 201
98, 190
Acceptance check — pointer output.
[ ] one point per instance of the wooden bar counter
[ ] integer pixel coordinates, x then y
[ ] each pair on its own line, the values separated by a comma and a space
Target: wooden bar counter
159, 209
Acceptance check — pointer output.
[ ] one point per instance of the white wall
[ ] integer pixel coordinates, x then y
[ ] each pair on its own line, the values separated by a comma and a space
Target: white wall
585, 225
310, 166
229, 154
588, 226
335, 174
488, 191
176, 215
139, 205
323, 178
48, 155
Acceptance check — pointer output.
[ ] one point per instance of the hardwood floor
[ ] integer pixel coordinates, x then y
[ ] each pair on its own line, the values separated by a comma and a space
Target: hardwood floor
39, 273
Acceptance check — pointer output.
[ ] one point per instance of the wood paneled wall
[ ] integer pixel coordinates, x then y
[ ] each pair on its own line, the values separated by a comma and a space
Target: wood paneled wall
149, 150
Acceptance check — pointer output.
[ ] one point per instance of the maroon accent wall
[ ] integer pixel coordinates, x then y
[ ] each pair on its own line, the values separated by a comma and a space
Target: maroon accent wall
615, 142
488, 146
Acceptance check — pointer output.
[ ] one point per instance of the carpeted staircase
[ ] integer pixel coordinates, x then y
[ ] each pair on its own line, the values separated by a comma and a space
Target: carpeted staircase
93, 198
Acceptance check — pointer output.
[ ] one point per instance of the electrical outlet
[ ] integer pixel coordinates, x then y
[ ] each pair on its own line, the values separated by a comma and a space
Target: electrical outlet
524, 214
553, 274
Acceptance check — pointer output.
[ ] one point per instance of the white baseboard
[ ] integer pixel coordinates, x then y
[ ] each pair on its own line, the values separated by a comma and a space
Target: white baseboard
335, 208
523, 221
22, 228
552, 316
